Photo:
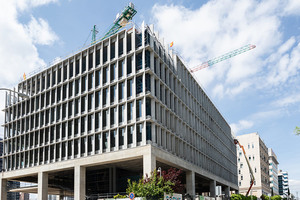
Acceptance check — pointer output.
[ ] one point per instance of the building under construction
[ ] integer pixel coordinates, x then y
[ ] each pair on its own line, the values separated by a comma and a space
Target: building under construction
117, 110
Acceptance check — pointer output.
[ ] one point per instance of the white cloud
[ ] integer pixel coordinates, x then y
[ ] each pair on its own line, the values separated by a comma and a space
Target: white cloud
40, 32
241, 125
220, 26
18, 53
286, 101
294, 185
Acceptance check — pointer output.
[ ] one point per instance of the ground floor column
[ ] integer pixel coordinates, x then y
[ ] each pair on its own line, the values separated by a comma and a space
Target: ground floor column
190, 183
227, 191
212, 188
42, 186
3, 190
149, 164
79, 182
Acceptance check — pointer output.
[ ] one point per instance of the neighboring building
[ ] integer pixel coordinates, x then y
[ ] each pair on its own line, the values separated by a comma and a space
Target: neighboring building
273, 172
257, 154
283, 183
118, 109
10, 184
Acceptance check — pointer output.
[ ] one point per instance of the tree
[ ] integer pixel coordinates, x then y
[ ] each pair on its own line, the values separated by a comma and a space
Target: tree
175, 176
264, 197
297, 130
276, 197
236, 197
152, 187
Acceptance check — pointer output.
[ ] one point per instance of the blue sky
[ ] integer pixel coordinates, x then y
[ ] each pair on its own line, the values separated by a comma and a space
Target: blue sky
258, 91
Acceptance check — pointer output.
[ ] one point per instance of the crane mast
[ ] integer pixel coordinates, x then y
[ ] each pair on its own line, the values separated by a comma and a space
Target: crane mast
226, 56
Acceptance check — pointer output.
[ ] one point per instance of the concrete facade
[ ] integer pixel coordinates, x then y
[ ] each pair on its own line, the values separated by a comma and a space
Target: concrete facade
257, 154
125, 103
273, 172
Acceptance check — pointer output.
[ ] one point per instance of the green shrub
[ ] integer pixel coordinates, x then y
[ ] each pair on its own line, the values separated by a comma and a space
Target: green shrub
119, 196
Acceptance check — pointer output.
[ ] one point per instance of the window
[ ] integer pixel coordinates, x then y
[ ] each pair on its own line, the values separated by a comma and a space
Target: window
148, 82
121, 68
241, 177
113, 93
82, 124
97, 99
139, 129
148, 131
53, 77
139, 84
113, 138
139, 62
121, 90
83, 84
121, 136
121, 113
97, 120
65, 91
90, 101
77, 67
83, 64
98, 57
129, 110
91, 61
112, 50
113, 115
248, 146
104, 118
121, 46
129, 88
65, 72
129, 65
71, 70
82, 143
129, 42
105, 141
83, 99
113, 72
90, 83
77, 86
98, 75
105, 75
129, 134
104, 54
148, 106
138, 108
105, 96
71, 89
97, 142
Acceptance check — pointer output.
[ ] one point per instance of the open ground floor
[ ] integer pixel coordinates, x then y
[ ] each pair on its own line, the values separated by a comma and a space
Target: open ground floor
99, 176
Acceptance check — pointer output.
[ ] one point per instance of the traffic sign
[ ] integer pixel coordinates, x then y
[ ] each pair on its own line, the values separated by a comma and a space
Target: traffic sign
131, 195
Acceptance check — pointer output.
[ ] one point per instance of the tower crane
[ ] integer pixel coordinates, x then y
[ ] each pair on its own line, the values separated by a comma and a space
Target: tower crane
226, 56
121, 21
250, 169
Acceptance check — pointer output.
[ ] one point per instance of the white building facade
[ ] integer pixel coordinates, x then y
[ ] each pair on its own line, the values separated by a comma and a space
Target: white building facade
273, 172
257, 154
116, 110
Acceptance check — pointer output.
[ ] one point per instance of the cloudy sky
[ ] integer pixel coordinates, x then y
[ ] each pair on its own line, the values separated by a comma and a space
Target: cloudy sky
258, 91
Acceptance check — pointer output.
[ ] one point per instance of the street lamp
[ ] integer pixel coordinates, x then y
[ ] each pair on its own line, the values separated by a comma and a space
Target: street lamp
24, 96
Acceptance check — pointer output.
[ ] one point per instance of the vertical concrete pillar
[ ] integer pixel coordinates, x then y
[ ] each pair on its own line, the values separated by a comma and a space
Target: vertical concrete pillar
190, 183
3, 189
212, 188
79, 182
149, 164
227, 191
42, 186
